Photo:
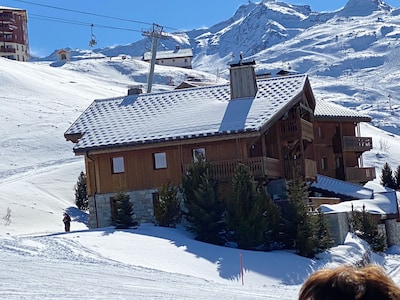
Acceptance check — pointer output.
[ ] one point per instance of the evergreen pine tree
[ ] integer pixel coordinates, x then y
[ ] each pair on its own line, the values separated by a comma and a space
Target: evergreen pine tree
387, 177
250, 214
167, 207
305, 231
397, 179
364, 226
124, 211
203, 207
272, 214
81, 197
323, 233
298, 197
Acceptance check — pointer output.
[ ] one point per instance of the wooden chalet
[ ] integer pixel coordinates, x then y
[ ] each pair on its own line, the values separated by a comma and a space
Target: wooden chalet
339, 145
141, 141
179, 57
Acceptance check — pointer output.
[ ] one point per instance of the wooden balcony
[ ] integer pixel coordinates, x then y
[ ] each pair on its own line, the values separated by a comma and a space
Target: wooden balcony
296, 129
260, 167
7, 50
358, 144
306, 168
360, 175
353, 144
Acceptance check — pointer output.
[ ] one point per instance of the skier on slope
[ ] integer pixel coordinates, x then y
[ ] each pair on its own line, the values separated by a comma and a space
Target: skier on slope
67, 222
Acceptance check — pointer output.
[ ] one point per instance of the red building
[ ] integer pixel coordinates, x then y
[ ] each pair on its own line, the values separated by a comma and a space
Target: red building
14, 33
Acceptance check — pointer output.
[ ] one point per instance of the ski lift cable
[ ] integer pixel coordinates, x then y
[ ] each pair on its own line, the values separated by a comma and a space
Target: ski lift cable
109, 17
88, 13
74, 22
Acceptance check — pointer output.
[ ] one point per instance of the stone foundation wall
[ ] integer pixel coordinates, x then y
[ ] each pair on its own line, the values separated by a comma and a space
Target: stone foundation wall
339, 225
100, 208
392, 232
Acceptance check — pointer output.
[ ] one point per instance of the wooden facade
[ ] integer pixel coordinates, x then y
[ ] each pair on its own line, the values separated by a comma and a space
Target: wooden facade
281, 152
339, 151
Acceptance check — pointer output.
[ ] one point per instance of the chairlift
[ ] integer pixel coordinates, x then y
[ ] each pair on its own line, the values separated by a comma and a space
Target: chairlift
93, 40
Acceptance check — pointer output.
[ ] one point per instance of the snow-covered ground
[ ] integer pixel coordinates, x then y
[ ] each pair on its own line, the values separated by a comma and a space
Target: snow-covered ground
37, 176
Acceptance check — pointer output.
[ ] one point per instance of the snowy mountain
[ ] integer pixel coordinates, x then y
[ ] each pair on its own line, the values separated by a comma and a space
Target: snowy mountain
351, 55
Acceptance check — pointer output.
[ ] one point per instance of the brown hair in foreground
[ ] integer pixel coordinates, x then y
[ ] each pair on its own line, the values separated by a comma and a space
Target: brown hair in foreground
348, 283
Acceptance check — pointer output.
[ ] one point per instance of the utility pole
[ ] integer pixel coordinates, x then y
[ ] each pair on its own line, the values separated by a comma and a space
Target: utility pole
156, 33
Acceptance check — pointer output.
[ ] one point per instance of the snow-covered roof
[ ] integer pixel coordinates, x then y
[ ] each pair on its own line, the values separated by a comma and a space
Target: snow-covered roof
383, 204
10, 8
187, 52
341, 187
373, 197
190, 113
183, 114
328, 110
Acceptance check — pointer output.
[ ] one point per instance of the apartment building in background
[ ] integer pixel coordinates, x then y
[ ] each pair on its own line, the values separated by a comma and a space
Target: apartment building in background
14, 33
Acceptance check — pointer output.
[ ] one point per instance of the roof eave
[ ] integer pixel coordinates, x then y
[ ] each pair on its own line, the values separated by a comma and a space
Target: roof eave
343, 118
168, 142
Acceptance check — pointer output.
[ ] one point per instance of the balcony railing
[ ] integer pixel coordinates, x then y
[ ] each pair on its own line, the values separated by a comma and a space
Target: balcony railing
7, 50
360, 175
359, 144
260, 167
352, 144
307, 168
294, 129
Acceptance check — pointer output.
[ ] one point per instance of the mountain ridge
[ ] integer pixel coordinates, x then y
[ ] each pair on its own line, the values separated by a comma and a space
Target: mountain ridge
348, 53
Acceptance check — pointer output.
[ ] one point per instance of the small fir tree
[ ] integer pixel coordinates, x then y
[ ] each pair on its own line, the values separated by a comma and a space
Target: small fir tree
365, 227
203, 207
323, 232
167, 207
397, 179
306, 231
123, 211
305, 238
81, 197
249, 214
387, 179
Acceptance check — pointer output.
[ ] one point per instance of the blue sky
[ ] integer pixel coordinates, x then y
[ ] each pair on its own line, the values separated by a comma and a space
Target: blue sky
51, 28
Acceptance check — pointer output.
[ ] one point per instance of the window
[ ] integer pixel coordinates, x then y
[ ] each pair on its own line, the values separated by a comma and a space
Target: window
199, 152
160, 160
319, 132
324, 163
117, 165
338, 162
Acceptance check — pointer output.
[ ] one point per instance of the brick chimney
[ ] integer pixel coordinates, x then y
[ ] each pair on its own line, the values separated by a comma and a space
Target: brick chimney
243, 78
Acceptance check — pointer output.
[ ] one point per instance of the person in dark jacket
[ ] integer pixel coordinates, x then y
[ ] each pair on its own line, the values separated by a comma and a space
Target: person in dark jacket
67, 222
